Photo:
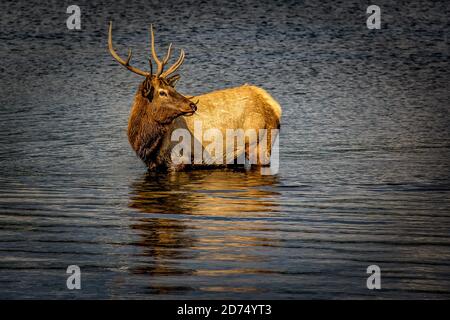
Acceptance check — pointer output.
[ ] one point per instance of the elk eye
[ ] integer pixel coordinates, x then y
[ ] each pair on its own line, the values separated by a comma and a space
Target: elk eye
162, 93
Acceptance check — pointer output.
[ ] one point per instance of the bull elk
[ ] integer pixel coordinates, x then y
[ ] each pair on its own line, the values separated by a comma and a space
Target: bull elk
158, 110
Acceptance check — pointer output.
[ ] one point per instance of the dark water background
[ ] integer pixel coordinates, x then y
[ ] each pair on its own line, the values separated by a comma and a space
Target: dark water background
365, 149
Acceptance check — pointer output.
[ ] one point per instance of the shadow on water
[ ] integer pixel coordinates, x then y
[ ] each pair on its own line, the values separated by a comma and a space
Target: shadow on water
197, 216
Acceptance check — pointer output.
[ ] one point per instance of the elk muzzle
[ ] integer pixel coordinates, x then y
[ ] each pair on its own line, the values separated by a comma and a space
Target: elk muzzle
191, 110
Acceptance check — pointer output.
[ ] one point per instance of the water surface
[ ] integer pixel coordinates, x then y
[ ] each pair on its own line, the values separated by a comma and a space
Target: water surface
364, 154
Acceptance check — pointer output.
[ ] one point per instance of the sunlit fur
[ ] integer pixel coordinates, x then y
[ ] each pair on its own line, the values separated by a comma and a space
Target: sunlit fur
153, 119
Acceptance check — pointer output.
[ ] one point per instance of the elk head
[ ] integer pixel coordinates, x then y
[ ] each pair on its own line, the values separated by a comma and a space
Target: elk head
164, 103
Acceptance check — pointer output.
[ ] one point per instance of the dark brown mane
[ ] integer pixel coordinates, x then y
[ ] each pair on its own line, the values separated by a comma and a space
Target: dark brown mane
144, 133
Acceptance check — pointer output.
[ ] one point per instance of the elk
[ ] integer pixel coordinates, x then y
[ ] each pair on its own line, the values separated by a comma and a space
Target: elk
158, 110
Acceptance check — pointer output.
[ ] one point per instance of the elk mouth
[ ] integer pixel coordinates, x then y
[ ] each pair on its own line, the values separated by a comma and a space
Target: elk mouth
193, 108
188, 113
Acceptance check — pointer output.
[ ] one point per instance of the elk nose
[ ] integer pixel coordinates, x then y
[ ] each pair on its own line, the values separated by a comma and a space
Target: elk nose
193, 106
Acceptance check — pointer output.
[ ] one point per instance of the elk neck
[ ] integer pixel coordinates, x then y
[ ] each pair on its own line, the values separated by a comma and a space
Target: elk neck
145, 134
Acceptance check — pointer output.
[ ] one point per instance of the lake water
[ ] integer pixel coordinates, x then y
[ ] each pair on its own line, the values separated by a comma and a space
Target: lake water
364, 154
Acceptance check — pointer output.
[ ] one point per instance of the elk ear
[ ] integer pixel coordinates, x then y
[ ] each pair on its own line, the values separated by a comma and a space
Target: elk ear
172, 80
147, 89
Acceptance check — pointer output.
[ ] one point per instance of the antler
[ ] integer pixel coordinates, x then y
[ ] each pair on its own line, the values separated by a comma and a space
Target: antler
125, 63
159, 63
175, 66
172, 80
162, 64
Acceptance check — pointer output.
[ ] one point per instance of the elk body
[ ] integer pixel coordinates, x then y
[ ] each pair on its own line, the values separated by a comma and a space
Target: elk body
158, 110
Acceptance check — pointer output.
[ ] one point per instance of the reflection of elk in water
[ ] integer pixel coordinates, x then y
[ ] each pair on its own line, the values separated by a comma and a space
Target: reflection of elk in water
209, 193
158, 110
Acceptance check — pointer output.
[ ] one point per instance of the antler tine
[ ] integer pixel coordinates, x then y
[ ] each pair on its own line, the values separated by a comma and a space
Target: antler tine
175, 66
166, 58
151, 66
126, 63
172, 80
159, 63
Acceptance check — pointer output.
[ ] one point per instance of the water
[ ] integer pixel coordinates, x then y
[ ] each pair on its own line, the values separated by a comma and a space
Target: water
365, 148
